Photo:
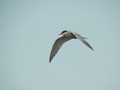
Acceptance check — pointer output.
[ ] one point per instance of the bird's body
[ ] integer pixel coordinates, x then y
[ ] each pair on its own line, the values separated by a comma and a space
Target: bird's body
67, 35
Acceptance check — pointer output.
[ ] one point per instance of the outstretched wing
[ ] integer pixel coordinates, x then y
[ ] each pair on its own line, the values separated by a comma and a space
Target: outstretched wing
57, 45
82, 39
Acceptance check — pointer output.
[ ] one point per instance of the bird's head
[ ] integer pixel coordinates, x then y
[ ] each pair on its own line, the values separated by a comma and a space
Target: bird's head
63, 32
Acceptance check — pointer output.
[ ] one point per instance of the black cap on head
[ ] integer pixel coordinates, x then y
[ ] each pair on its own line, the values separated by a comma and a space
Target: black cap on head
64, 31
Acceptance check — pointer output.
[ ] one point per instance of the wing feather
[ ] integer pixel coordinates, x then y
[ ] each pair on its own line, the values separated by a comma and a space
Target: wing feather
57, 45
82, 39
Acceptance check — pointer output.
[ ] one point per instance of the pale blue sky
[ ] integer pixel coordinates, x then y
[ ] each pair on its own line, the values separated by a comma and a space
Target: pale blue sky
25, 50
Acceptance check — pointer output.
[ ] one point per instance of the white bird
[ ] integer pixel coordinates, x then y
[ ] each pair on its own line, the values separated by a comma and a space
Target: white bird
67, 35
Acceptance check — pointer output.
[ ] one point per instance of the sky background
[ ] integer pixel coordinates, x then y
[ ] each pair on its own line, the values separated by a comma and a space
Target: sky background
28, 29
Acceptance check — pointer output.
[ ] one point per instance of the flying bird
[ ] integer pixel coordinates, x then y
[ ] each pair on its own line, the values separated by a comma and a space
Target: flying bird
67, 35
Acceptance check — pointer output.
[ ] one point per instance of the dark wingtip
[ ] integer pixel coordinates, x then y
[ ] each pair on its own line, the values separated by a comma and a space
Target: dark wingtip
92, 48
50, 60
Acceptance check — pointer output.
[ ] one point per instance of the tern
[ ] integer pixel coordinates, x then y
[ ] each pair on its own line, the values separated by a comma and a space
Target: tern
67, 35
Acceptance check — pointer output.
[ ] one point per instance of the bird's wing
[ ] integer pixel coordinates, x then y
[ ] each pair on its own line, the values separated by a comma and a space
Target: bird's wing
57, 45
82, 39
